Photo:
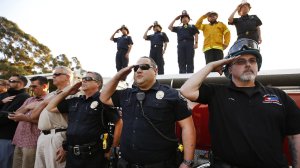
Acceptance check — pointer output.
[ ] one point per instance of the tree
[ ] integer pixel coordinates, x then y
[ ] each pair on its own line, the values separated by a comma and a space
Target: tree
23, 54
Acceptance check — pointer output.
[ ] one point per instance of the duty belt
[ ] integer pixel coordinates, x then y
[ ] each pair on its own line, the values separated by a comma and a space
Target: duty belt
85, 149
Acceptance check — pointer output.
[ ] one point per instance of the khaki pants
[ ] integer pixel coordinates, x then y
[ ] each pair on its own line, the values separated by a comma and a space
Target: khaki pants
47, 146
24, 157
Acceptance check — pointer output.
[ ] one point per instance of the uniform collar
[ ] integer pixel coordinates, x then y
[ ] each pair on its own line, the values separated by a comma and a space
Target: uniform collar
95, 96
154, 87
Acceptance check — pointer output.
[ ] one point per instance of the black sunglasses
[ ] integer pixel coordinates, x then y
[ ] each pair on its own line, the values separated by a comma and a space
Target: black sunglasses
13, 81
142, 67
88, 78
58, 74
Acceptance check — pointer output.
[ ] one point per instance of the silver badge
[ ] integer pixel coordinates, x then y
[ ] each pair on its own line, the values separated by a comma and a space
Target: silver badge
160, 94
94, 104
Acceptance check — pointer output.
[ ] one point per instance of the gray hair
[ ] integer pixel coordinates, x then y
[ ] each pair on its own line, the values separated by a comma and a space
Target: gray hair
67, 71
98, 77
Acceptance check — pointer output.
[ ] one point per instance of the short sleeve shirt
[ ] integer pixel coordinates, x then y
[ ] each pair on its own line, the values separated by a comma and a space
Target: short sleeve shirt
158, 38
85, 118
185, 32
163, 106
123, 42
248, 129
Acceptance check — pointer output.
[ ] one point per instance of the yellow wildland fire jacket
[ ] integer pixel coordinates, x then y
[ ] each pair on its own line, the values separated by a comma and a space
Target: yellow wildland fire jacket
215, 35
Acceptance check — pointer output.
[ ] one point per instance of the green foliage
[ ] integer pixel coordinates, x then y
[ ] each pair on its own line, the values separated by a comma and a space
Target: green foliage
21, 53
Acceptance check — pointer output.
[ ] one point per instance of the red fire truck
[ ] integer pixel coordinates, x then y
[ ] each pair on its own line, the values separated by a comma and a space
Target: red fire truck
287, 80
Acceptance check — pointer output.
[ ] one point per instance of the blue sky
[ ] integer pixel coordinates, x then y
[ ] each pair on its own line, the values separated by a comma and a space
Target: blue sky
82, 28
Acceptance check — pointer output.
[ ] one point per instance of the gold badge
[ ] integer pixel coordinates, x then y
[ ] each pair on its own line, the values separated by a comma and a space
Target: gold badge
160, 94
94, 104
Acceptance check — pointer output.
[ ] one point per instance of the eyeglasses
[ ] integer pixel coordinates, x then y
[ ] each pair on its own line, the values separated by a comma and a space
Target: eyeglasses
33, 86
142, 67
251, 61
13, 81
88, 78
58, 74
243, 44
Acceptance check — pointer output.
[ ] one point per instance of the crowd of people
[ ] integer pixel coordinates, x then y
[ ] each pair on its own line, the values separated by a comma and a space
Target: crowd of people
67, 127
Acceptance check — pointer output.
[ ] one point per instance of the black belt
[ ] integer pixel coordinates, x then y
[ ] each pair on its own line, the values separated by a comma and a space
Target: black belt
46, 132
186, 40
85, 149
156, 45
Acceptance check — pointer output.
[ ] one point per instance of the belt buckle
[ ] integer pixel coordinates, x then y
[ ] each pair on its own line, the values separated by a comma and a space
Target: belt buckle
247, 32
76, 150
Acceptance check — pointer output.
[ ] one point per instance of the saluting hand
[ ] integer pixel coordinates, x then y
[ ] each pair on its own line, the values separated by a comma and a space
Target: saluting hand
122, 74
178, 17
74, 89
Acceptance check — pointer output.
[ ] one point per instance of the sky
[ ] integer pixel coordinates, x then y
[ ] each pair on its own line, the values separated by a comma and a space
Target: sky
82, 28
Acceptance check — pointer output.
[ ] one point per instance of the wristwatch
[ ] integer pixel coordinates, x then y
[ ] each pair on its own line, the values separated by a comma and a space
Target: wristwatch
188, 162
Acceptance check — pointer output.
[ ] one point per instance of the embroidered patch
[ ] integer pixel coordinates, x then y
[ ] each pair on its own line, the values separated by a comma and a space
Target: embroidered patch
270, 98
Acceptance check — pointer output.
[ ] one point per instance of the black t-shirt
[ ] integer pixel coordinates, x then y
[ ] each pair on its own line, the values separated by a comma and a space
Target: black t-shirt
248, 128
140, 143
85, 118
246, 26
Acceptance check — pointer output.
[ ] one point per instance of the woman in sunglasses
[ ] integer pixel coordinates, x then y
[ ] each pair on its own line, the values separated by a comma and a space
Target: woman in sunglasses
149, 112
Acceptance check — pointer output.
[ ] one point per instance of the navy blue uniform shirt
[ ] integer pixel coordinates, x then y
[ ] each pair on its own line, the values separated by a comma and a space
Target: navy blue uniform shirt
158, 38
140, 143
185, 32
123, 42
85, 118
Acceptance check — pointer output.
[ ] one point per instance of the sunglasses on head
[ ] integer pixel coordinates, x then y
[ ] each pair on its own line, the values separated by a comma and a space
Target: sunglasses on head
88, 78
13, 81
142, 67
58, 74
243, 44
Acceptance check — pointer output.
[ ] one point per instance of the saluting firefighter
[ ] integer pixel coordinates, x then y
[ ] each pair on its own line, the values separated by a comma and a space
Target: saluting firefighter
159, 41
124, 44
187, 38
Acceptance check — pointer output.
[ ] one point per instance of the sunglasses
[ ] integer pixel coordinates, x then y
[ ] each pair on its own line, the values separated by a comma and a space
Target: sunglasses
251, 61
58, 74
88, 78
142, 67
13, 81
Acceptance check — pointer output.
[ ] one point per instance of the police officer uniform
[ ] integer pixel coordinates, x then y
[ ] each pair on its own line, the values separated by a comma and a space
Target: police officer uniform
140, 144
84, 130
185, 47
122, 45
157, 42
247, 125
246, 26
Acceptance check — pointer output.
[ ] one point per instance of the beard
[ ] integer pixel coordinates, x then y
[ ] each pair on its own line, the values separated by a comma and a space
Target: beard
248, 76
